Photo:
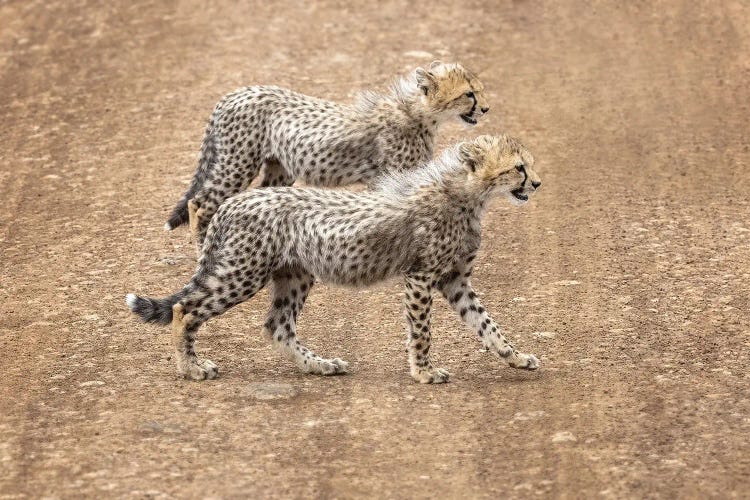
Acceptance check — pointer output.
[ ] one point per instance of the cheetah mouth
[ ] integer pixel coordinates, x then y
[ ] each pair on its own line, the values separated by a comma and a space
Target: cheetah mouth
518, 194
468, 118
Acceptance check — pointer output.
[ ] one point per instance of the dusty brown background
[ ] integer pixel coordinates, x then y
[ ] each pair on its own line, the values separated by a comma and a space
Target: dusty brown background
632, 261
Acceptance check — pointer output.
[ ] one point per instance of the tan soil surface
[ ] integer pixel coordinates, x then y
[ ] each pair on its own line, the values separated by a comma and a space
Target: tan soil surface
628, 274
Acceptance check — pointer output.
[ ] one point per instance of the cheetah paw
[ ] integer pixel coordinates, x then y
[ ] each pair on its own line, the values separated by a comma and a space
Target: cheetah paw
333, 366
524, 362
200, 369
431, 375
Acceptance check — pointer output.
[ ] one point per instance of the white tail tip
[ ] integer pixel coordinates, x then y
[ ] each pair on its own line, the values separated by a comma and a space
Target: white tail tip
167, 227
130, 300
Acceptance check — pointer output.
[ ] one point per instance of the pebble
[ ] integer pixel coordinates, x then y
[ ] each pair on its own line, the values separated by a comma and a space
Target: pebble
270, 390
419, 54
90, 383
154, 426
531, 415
544, 335
563, 437
567, 283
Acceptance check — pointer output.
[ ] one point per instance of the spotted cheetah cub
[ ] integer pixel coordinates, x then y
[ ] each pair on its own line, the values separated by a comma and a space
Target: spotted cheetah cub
323, 143
423, 224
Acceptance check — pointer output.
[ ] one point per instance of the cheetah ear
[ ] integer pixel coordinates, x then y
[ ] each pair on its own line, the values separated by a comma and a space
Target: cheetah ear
470, 155
435, 64
426, 81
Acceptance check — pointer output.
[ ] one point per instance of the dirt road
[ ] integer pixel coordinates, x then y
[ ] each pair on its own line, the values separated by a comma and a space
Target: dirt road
628, 274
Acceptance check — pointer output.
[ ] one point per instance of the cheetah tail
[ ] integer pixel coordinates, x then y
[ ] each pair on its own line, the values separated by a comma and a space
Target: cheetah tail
153, 310
208, 157
179, 215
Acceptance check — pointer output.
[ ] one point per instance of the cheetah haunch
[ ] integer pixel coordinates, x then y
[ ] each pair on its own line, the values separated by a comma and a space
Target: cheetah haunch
424, 224
321, 142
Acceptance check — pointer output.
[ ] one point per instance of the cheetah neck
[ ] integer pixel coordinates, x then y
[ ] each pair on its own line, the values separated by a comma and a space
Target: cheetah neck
443, 182
416, 112
404, 103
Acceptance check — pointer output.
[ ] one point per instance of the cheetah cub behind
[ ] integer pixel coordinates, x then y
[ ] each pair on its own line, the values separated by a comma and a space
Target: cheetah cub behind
323, 143
423, 224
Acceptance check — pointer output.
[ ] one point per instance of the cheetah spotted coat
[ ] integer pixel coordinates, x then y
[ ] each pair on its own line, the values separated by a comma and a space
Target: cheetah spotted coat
323, 143
424, 225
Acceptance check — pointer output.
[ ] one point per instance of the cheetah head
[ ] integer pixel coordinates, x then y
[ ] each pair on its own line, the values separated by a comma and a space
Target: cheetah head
452, 91
502, 164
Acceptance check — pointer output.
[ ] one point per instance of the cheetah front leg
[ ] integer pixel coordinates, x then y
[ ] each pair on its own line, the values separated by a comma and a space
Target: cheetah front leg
418, 302
461, 296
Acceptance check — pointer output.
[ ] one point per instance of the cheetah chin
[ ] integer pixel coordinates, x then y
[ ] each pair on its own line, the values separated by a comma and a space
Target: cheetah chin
469, 119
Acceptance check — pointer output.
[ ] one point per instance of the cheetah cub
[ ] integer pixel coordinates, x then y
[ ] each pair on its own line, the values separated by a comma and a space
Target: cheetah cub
323, 143
423, 224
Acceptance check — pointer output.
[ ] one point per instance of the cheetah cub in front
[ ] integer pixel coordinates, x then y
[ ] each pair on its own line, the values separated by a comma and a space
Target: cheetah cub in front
323, 143
423, 224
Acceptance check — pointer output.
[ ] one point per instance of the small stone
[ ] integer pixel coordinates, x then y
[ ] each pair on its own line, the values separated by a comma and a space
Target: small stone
154, 426
674, 462
270, 390
567, 283
418, 54
531, 415
563, 437
544, 335
90, 383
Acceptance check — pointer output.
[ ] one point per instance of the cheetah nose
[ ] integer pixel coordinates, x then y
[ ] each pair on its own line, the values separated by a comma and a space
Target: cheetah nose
536, 184
484, 110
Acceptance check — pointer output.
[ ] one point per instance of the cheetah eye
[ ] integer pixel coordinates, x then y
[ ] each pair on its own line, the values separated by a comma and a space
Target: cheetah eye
520, 167
470, 95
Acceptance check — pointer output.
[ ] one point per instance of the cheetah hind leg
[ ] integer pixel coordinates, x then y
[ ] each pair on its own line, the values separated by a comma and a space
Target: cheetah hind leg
305, 359
194, 217
188, 364
288, 294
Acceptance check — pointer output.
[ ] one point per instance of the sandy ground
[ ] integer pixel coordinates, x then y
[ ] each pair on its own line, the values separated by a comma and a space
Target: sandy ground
628, 274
